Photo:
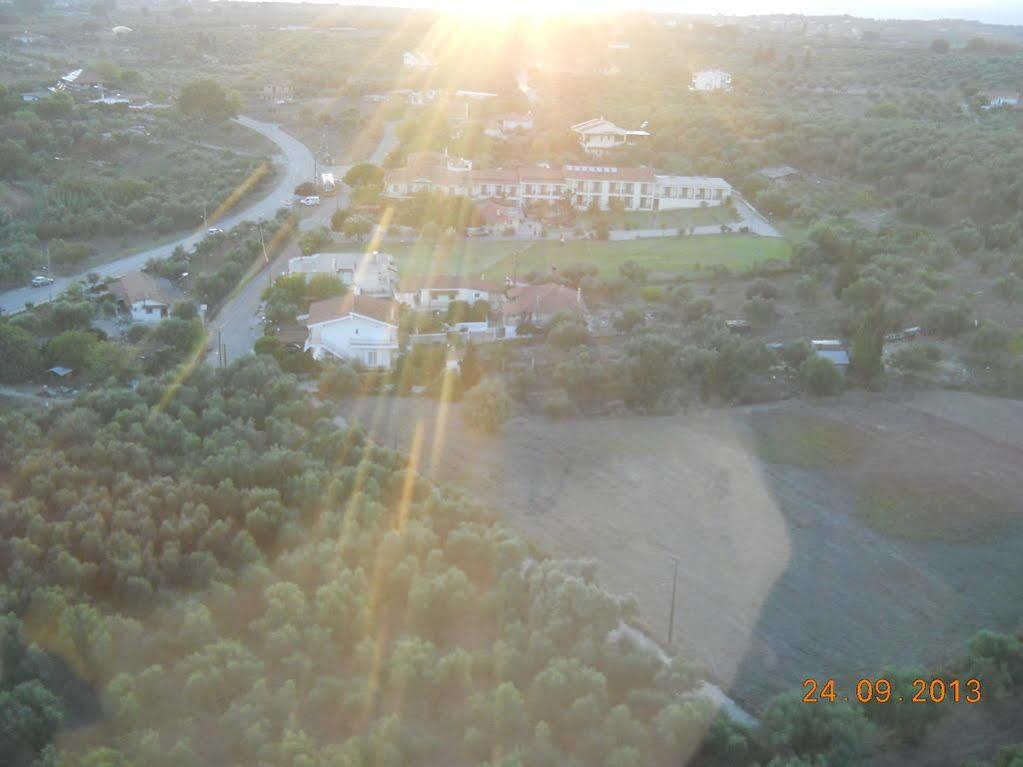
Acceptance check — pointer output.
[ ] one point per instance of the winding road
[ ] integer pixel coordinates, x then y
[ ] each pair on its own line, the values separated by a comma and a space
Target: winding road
299, 166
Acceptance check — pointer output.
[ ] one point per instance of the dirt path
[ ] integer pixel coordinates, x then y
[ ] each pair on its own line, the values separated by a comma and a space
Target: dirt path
782, 575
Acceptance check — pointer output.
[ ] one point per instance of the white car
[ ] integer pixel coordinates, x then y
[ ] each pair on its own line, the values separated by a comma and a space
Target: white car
41, 281
311, 200
214, 230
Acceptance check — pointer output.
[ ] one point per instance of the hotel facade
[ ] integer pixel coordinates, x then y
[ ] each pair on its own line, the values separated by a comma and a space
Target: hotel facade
637, 188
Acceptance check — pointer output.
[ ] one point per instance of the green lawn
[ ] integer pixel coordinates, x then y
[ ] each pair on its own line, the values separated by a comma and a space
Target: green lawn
673, 255
466, 257
667, 219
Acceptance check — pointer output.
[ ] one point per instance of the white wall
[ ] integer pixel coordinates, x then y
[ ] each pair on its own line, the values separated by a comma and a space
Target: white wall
469, 295
149, 311
370, 341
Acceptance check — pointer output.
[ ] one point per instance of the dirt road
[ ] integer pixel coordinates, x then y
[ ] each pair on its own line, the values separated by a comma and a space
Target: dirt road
792, 564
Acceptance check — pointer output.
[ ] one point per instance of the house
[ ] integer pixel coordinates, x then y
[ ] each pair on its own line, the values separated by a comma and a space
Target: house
512, 123
711, 80
1002, 98
506, 124
538, 304
436, 292
370, 274
147, 298
599, 136
496, 216
635, 188
354, 327
278, 93
417, 60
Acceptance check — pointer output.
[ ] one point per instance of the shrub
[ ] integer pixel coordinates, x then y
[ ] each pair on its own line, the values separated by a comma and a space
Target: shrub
339, 381
946, 321
820, 377
629, 319
763, 289
990, 341
652, 294
487, 405
760, 311
917, 357
558, 405
568, 333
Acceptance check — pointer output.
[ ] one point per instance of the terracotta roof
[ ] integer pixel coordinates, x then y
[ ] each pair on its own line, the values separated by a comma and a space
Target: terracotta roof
542, 174
496, 174
382, 309
446, 282
547, 299
135, 286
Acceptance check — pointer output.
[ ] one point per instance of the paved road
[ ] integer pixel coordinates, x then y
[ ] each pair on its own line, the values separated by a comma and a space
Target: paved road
299, 167
236, 324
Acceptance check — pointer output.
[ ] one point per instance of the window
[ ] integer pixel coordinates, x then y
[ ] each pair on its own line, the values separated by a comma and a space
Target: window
628, 188
371, 358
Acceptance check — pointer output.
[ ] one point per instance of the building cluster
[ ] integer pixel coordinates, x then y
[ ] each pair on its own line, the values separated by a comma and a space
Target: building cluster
635, 188
711, 80
362, 325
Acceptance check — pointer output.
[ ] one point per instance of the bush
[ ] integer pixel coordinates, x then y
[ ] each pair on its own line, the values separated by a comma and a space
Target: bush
629, 319
568, 333
339, 381
760, 311
947, 321
763, 289
990, 341
487, 405
558, 405
820, 377
918, 357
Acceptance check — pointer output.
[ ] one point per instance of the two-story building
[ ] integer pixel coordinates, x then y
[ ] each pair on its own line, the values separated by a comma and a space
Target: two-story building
371, 274
635, 188
599, 136
436, 292
354, 327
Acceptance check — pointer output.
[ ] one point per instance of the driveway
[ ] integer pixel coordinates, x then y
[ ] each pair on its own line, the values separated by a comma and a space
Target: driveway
299, 166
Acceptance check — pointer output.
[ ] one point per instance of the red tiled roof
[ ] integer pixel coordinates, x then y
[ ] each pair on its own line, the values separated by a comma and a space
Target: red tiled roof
542, 174
500, 175
446, 282
383, 309
547, 299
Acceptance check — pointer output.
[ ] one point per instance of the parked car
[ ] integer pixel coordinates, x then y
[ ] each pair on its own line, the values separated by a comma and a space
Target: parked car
214, 230
41, 281
311, 200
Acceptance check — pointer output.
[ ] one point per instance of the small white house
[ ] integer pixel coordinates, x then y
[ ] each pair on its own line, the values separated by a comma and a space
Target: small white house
438, 291
417, 60
354, 327
146, 298
711, 80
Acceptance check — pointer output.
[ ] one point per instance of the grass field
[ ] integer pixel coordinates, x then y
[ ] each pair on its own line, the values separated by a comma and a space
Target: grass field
672, 255
466, 257
665, 219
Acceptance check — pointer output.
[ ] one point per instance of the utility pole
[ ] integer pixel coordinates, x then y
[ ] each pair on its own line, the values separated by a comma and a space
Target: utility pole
674, 590
48, 275
205, 223
259, 225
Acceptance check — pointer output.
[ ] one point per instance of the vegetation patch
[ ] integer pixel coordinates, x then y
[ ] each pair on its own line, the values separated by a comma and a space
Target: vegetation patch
925, 509
808, 442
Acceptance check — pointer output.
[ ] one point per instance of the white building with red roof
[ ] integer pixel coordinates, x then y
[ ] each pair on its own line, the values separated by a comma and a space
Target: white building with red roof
538, 305
635, 188
436, 292
354, 327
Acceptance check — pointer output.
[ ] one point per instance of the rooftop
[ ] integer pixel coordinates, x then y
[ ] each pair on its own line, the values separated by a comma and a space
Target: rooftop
380, 309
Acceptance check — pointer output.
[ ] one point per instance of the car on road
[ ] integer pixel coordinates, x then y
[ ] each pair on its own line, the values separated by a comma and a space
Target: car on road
214, 230
311, 200
41, 281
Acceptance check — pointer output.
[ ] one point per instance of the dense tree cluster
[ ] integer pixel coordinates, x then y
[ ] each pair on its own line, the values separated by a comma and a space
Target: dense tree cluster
66, 162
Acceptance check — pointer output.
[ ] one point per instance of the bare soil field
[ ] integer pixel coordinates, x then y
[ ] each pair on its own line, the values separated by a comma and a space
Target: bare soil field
819, 538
